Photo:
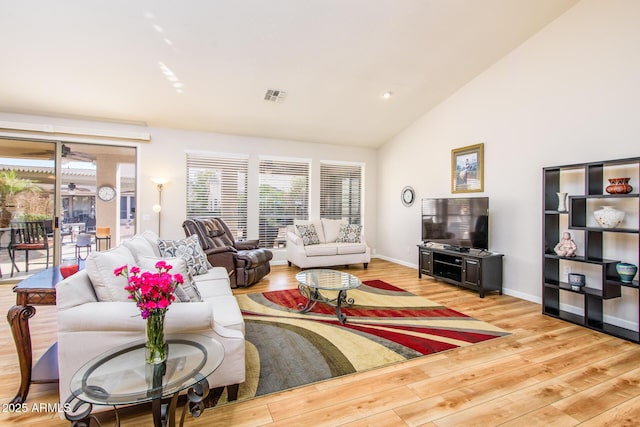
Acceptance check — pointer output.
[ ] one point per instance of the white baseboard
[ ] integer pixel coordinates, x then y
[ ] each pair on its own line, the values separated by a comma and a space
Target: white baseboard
397, 261
613, 320
522, 295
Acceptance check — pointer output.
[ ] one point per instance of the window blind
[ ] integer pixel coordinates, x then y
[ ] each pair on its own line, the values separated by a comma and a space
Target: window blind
284, 196
340, 192
217, 186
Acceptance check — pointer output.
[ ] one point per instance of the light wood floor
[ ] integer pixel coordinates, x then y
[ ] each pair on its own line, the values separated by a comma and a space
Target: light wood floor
547, 373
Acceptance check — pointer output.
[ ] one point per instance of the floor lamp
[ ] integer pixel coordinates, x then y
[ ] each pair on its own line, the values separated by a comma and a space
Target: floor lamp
160, 182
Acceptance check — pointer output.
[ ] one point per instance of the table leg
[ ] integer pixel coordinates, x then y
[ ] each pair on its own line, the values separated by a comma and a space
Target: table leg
343, 301
12, 255
342, 295
18, 318
196, 394
79, 412
312, 298
156, 372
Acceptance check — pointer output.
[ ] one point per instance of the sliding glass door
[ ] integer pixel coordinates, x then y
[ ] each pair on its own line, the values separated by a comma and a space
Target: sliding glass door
27, 196
78, 190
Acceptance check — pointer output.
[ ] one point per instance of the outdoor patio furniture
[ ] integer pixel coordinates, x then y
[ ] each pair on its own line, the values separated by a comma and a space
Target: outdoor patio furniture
83, 244
27, 236
103, 234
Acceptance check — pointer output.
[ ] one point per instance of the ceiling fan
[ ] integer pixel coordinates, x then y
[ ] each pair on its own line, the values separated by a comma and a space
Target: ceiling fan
72, 187
67, 153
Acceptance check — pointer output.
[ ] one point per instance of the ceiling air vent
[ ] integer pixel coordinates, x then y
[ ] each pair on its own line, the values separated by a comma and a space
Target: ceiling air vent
273, 95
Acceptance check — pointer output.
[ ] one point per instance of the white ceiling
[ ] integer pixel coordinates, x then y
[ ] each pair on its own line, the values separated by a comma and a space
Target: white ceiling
334, 58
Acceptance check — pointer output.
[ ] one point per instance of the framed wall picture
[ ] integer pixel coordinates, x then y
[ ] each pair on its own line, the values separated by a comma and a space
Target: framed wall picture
467, 169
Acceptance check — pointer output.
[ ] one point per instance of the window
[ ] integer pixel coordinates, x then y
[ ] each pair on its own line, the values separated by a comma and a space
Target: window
284, 196
340, 192
217, 186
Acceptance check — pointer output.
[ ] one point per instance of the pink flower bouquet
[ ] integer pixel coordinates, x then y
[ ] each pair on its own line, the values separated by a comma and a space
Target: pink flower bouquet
152, 293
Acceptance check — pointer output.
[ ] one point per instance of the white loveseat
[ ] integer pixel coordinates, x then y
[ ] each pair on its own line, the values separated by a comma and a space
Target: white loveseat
94, 314
337, 243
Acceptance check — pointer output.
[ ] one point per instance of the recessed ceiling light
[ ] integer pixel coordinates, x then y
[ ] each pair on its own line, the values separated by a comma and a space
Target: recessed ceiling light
387, 95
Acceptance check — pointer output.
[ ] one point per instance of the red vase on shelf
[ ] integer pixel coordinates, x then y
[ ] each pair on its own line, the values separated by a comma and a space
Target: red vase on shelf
619, 186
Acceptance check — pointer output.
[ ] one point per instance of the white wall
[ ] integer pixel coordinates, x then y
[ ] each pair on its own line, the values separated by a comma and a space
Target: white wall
165, 156
569, 94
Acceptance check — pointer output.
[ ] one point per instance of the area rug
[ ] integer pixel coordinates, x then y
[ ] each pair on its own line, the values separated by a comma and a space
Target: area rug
386, 324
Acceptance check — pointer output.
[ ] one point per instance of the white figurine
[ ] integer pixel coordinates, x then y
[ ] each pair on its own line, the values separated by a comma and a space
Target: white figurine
566, 246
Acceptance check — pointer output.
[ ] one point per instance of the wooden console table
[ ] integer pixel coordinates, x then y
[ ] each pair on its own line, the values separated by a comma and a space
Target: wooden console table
39, 289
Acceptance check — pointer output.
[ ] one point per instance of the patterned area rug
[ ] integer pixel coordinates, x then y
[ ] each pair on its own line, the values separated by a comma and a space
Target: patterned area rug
386, 324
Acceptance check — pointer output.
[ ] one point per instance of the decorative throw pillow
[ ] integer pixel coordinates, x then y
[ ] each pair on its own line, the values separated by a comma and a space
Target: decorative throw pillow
349, 233
190, 250
332, 228
308, 234
187, 291
100, 266
152, 238
139, 247
317, 223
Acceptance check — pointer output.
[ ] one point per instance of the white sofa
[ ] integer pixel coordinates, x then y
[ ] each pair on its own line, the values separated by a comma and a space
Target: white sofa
88, 325
338, 243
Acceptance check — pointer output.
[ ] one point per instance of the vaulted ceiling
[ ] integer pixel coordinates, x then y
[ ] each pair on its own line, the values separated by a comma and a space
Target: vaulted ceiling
207, 64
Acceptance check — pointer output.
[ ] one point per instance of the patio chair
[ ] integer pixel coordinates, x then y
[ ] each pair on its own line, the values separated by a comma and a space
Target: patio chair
27, 236
83, 243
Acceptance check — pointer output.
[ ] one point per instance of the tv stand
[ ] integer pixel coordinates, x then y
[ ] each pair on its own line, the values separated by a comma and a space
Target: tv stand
477, 269
457, 248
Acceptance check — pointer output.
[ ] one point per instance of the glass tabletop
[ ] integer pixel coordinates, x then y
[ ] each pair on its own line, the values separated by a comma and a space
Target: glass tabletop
326, 279
121, 376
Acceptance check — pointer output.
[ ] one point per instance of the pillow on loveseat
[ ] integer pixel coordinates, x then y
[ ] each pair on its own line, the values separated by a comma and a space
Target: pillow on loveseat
317, 224
332, 228
349, 233
308, 234
190, 250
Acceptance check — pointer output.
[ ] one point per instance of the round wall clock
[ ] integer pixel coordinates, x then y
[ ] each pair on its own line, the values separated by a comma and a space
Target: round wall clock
408, 196
106, 193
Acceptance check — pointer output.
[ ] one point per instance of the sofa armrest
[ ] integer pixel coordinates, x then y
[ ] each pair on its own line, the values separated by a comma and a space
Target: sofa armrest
294, 238
219, 250
247, 244
125, 316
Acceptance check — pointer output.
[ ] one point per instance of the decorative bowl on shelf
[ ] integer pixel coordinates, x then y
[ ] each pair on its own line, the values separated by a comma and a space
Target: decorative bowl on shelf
626, 271
619, 186
608, 216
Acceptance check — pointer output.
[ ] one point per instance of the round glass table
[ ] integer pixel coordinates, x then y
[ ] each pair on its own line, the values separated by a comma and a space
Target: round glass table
312, 281
121, 377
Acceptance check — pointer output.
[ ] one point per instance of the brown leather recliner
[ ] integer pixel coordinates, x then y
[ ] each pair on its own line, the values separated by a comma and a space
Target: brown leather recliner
246, 264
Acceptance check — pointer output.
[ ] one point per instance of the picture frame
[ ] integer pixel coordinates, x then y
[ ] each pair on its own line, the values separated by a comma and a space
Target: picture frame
467, 169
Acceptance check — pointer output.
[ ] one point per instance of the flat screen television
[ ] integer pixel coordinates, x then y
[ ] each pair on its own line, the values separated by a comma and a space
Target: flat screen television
460, 223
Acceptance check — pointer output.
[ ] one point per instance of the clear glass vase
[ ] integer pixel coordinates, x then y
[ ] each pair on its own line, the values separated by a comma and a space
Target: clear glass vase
156, 347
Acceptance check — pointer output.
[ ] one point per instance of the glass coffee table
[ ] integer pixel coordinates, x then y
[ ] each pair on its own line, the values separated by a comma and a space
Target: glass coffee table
121, 377
312, 281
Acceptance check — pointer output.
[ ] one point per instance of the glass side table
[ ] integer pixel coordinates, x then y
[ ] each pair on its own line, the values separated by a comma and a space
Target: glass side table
312, 281
121, 377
